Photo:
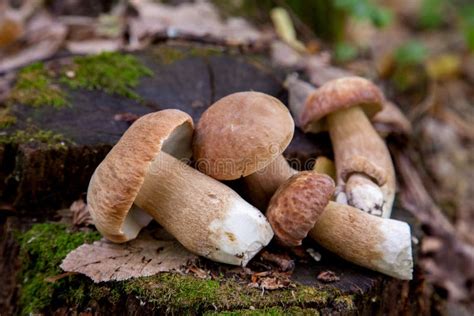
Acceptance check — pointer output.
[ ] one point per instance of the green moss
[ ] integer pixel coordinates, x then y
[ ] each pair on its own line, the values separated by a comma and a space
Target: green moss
205, 51
170, 54
182, 294
50, 138
42, 249
346, 302
45, 245
273, 311
175, 291
35, 87
6, 118
113, 73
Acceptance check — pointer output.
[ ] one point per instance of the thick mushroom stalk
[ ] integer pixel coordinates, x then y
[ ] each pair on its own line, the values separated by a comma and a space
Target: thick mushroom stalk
140, 178
302, 206
243, 135
365, 172
262, 184
364, 168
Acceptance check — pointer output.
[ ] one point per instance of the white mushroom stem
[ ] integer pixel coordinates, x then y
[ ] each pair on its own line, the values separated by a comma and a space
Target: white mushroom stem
364, 194
204, 215
376, 243
262, 184
363, 162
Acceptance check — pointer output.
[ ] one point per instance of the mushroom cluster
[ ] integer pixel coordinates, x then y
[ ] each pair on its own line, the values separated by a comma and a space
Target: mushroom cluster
147, 176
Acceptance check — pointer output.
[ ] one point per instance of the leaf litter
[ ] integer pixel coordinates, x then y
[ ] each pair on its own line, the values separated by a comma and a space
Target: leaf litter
145, 256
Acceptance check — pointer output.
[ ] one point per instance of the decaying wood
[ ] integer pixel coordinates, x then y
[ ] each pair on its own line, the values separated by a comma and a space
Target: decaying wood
40, 178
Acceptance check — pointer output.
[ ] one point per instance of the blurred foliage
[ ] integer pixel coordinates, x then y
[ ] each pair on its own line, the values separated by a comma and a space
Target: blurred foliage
326, 18
409, 71
431, 13
467, 25
344, 52
410, 53
365, 10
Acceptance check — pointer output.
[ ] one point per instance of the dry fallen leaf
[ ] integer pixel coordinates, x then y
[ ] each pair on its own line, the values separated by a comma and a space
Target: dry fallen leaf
328, 277
126, 117
449, 261
43, 37
94, 46
270, 280
199, 19
144, 256
80, 213
283, 261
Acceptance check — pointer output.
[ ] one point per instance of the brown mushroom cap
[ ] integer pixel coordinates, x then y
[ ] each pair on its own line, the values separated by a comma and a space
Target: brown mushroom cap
240, 134
297, 204
340, 94
119, 177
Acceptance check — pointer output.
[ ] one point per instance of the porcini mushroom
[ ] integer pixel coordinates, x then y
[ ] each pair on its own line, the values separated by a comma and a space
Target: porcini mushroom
244, 135
142, 176
302, 206
365, 172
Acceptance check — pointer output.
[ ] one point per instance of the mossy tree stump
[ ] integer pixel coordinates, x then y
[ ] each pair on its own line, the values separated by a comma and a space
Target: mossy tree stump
50, 147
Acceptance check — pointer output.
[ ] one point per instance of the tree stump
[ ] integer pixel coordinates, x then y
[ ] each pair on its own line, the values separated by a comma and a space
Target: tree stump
49, 154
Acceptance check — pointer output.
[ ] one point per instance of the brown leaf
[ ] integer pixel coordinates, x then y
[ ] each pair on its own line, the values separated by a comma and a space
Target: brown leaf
126, 117
328, 277
94, 46
144, 256
449, 260
80, 213
43, 38
283, 261
198, 272
199, 19
269, 280
271, 284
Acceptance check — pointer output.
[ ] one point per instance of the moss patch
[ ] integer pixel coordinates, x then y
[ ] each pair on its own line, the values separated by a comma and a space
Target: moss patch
49, 138
6, 118
273, 311
45, 245
185, 294
170, 54
35, 87
42, 249
113, 73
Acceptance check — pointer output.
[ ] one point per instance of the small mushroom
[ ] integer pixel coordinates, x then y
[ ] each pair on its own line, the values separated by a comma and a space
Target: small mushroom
244, 135
365, 172
143, 176
302, 206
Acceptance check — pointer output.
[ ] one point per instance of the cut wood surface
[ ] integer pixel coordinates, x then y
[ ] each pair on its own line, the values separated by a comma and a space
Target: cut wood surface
40, 179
